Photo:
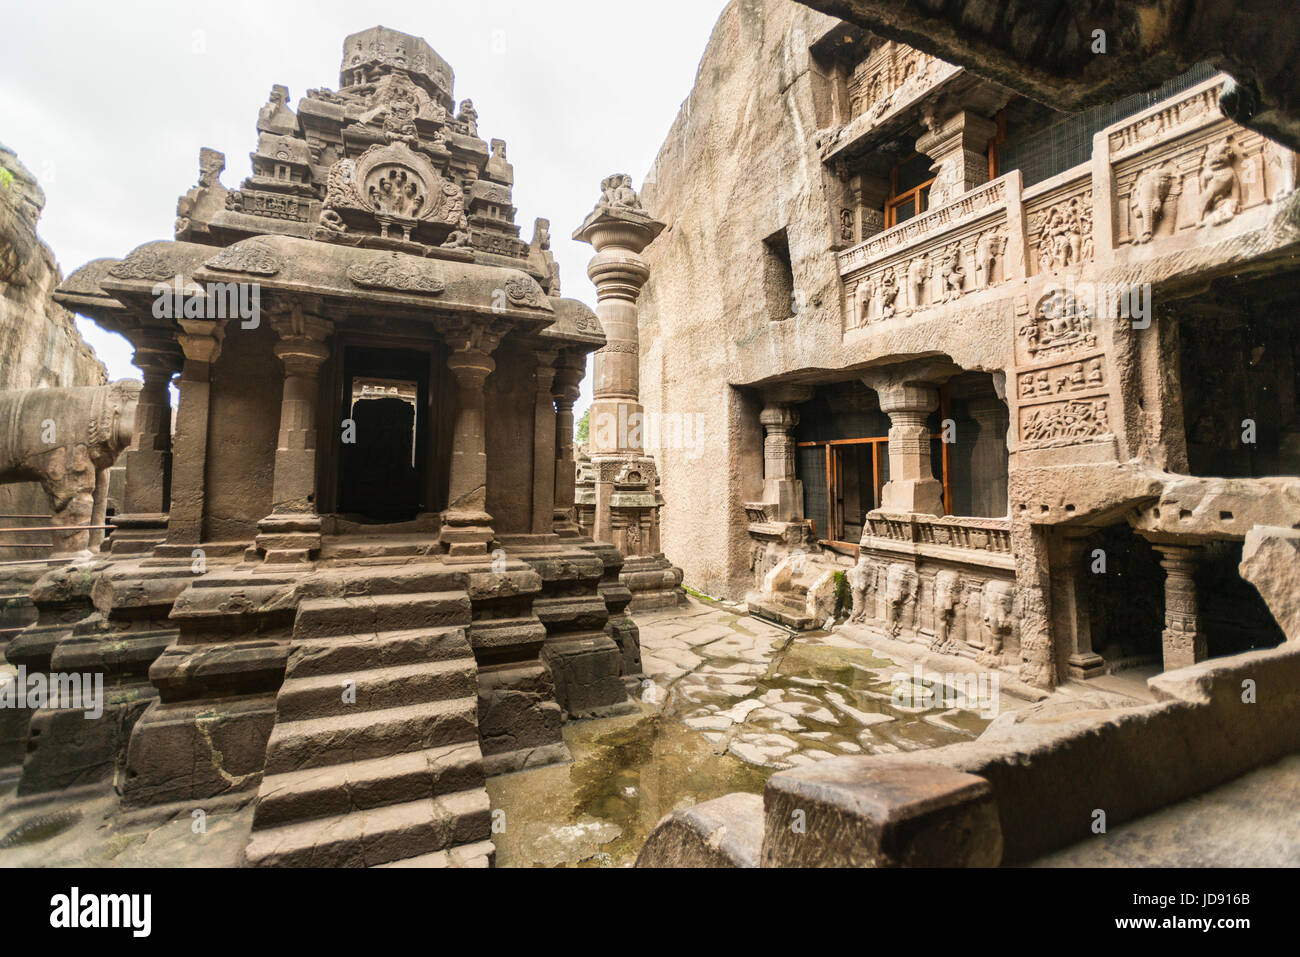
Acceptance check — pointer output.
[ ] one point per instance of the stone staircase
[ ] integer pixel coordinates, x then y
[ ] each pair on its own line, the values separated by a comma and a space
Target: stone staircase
386, 769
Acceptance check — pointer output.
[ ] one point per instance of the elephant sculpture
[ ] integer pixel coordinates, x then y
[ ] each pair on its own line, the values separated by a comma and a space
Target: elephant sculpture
999, 618
947, 596
859, 576
900, 587
1150, 190
67, 439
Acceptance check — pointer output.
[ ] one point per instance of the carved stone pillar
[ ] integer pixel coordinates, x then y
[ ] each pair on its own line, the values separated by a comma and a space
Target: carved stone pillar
627, 494
1069, 589
466, 525
912, 486
869, 195
201, 343
781, 486
988, 461
544, 442
291, 533
1184, 641
565, 390
958, 147
146, 497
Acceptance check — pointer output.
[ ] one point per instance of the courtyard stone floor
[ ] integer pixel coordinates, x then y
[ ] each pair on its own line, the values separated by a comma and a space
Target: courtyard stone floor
727, 701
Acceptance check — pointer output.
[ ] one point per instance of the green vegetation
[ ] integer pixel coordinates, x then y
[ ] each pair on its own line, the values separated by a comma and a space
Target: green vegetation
584, 427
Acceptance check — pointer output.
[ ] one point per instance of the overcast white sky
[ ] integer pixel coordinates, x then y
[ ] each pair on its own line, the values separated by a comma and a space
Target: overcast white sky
109, 102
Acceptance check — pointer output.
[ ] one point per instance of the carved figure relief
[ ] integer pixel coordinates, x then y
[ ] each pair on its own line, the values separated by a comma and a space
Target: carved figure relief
947, 598
1220, 185
1060, 324
919, 272
862, 296
998, 618
1064, 234
1076, 377
988, 251
1147, 204
888, 293
900, 590
953, 273
1071, 420
860, 577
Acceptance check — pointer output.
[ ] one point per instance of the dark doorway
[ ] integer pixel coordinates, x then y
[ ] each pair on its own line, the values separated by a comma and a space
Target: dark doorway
384, 434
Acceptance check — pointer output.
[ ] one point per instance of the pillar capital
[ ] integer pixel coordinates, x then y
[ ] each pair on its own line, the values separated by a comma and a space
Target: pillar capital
570, 370
958, 146
915, 389
778, 418
201, 339
786, 394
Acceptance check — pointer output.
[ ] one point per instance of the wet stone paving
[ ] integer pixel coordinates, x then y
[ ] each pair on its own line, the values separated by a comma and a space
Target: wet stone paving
778, 700
728, 700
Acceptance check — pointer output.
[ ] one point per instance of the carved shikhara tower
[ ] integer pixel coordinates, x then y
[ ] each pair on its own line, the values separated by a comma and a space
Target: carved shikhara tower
623, 480
371, 481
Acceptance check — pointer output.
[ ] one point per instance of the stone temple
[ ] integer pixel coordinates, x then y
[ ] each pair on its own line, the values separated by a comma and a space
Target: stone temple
906, 359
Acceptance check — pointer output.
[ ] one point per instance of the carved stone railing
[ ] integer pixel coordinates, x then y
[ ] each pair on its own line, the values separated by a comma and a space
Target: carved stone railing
951, 531
935, 258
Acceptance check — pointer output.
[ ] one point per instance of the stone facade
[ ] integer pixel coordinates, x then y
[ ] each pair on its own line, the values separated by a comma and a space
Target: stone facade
958, 375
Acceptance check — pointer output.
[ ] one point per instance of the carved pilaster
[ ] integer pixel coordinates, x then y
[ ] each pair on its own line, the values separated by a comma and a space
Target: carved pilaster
958, 147
1068, 587
467, 526
142, 523
544, 442
1183, 638
565, 390
291, 533
201, 341
912, 486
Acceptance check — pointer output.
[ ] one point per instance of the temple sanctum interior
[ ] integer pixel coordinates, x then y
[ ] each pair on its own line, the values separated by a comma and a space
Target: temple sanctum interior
921, 463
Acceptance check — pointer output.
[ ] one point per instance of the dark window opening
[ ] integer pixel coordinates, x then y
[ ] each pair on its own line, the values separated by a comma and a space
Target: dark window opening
778, 277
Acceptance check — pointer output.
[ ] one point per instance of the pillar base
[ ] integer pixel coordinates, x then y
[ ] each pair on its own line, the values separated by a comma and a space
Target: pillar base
654, 582
1183, 648
288, 538
924, 496
466, 534
1086, 666
137, 534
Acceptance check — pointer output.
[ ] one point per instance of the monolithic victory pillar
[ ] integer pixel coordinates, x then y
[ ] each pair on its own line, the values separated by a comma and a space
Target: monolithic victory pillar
627, 487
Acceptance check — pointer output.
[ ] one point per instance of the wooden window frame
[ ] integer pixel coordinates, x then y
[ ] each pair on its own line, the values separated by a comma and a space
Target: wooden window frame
896, 199
879, 448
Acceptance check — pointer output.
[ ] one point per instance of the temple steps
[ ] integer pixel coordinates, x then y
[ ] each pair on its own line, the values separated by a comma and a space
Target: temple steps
481, 854
364, 785
361, 735
346, 654
331, 617
374, 756
375, 836
317, 696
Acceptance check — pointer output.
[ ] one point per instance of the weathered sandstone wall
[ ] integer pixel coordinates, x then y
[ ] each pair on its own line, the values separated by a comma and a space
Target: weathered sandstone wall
738, 166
